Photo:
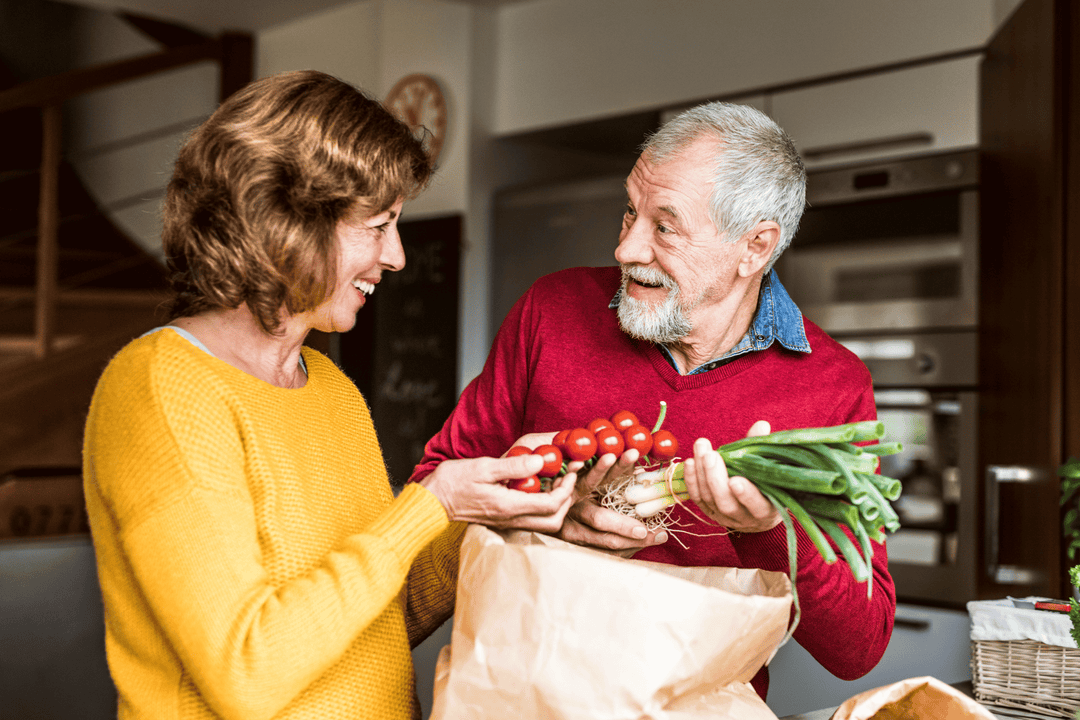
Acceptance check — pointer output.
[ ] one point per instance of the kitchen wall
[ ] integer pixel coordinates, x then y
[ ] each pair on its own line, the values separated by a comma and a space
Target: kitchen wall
547, 63
564, 60
508, 70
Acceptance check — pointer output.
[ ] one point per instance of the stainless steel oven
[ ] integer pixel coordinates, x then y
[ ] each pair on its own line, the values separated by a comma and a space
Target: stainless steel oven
924, 386
886, 261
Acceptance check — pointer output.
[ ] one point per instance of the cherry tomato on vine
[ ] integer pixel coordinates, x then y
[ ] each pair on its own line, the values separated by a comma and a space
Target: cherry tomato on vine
552, 460
519, 450
560, 440
624, 419
609, 440
599, 424
580, 444
665, 446
530, 484
639, 438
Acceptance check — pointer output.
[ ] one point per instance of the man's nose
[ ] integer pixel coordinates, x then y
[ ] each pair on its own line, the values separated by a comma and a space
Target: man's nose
634, 246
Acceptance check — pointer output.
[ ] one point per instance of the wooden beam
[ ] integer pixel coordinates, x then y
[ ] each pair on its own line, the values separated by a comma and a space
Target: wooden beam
57, 88
237, 63
168, 34
48, 230
89, 297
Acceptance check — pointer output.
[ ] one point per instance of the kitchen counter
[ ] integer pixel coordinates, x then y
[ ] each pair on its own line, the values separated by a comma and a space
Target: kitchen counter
827, 713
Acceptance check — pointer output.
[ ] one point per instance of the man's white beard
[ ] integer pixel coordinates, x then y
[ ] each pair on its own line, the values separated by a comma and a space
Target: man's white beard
664, 323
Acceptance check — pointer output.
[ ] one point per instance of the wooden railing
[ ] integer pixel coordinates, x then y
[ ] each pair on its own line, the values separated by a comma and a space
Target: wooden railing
232, 51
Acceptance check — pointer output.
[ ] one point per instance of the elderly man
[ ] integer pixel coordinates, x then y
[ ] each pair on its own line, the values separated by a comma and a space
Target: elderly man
695, 317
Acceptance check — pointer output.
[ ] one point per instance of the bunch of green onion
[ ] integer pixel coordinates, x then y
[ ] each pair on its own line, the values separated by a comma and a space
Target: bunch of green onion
823, 480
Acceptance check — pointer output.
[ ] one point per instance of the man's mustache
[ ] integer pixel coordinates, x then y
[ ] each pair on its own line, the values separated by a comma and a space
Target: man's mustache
648, 276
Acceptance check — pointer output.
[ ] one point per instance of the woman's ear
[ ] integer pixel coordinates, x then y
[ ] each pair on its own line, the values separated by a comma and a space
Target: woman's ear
760, 243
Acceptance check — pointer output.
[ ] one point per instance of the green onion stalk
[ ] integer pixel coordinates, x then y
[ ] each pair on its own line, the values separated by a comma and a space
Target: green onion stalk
822, 480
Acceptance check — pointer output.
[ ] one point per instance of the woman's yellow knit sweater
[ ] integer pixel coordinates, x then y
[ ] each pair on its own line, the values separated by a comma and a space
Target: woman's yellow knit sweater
253, 560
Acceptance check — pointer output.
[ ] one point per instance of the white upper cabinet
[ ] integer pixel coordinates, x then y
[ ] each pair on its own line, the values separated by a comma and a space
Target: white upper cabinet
758, 102
917, 110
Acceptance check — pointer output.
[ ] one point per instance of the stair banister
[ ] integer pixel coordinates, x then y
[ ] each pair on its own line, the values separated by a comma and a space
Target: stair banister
232, 51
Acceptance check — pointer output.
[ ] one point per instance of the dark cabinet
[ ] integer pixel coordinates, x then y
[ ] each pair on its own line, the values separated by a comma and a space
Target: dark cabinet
1029, 305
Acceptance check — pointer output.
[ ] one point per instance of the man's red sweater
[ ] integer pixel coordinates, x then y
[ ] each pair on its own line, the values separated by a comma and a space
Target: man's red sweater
560, 361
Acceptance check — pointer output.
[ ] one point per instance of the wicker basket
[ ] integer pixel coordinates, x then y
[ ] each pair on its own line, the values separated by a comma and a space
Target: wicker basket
1039, 679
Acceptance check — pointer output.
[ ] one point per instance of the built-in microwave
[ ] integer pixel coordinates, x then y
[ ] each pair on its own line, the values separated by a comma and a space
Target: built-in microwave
889, 245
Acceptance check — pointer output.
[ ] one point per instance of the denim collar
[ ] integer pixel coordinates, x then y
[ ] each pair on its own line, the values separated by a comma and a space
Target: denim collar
777, 318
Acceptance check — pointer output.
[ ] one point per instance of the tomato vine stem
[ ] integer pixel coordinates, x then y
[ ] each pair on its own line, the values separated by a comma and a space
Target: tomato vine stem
663, 414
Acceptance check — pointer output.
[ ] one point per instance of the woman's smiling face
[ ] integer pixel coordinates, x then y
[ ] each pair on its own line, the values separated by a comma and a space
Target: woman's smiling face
366, 248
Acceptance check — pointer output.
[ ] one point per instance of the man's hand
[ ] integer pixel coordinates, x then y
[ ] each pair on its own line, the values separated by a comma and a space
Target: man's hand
589, 523
733, 502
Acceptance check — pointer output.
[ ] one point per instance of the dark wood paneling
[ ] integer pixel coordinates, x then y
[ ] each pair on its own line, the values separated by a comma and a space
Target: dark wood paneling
1021, 367
43, 403
1072, 248
1072, 241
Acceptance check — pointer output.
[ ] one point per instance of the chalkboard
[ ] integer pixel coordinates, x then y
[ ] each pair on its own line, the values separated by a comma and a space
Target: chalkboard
402, 354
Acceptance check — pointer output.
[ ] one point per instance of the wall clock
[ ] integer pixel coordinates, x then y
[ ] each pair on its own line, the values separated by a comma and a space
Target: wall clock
417, 100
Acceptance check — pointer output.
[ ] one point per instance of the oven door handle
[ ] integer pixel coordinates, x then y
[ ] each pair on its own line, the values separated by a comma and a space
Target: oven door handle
996, 475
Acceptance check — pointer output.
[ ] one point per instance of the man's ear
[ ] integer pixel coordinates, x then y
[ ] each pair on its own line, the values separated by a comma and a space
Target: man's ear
760, 243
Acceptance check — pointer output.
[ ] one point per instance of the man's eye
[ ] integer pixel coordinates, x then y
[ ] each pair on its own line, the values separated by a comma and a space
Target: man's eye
382, 228
663, 229
630, 212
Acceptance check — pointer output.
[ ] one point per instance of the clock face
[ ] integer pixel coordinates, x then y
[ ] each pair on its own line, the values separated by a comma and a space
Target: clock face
418, 101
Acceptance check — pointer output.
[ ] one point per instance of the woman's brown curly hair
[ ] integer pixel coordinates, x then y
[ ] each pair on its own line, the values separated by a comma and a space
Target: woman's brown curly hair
257, 192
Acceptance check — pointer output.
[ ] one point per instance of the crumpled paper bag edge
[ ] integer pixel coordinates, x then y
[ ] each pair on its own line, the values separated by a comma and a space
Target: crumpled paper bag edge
875, 704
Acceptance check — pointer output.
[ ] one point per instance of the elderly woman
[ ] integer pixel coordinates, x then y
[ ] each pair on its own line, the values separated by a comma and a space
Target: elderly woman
253, 560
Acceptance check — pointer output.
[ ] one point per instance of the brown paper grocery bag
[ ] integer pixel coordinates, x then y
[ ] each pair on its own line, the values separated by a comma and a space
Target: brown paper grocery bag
920, 698
545, 630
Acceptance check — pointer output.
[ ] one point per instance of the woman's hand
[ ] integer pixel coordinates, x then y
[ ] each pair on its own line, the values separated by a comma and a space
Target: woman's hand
472, 491
587, 522
733, 502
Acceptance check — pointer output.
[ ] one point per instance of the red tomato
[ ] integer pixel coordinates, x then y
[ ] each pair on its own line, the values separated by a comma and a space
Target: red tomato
552, 460
518, 450
624, 419
665, 446
530, 484
580, 444
560, 440
639, 438
598, 424
609, 440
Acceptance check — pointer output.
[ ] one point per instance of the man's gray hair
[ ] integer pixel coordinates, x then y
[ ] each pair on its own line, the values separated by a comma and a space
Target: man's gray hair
757, 172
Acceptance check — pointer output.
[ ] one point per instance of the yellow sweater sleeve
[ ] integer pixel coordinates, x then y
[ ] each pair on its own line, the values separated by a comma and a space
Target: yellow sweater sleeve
234, 540
432, 584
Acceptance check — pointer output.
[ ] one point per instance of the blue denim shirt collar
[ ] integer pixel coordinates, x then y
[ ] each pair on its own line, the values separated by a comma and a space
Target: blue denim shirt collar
777, 319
